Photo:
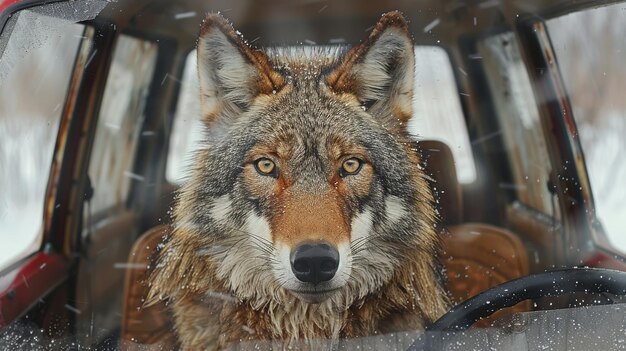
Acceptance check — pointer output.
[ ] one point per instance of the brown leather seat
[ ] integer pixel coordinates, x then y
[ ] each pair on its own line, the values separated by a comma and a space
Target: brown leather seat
439, 165
144, 325
476, 257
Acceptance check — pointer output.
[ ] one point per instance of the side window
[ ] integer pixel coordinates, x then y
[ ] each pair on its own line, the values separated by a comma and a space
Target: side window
518, 116
37, 55
119, 122
591, 59
187, 128
437, 114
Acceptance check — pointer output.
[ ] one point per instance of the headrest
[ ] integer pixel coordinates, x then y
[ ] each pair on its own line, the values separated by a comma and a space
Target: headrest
439, 163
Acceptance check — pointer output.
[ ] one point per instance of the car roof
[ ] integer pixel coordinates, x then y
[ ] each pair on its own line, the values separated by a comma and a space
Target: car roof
276, 22
286, 21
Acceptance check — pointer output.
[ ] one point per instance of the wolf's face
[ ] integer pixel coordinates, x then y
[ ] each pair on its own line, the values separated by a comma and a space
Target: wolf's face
307, 183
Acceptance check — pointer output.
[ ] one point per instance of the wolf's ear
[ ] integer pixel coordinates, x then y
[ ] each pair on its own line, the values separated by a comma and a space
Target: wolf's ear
231, 74
380, 71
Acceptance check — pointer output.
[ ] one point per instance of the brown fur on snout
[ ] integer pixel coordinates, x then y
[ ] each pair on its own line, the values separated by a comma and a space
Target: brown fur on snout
310, 217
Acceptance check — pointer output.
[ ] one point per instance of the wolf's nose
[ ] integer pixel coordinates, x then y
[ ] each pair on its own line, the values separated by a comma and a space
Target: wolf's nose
314, 263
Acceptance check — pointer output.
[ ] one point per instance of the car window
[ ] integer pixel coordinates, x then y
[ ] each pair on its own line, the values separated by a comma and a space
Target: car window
119, 123
591, 61
437, 115
437, 111
36, 64
518, 117
187, 128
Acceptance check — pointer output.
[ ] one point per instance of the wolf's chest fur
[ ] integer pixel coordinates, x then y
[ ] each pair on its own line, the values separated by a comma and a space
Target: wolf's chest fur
401, 305
306, 215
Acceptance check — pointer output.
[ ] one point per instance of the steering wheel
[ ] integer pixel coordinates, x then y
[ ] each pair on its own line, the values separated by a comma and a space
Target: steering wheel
553, 283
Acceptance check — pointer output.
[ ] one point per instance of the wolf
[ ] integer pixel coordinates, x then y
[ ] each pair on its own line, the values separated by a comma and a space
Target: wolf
307, 214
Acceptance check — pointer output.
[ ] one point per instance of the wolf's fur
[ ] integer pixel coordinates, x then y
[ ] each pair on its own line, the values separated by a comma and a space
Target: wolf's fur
225, 267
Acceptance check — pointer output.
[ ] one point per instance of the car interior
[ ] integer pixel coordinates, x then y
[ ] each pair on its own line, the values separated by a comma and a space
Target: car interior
520, 213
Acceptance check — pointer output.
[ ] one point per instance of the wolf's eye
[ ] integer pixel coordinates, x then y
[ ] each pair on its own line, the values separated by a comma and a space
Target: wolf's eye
350, 166
265, 166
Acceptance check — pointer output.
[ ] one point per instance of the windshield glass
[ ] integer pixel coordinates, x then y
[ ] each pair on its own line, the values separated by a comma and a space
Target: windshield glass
311, 175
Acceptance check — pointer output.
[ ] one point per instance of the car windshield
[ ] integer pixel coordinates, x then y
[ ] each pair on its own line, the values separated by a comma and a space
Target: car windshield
409, 175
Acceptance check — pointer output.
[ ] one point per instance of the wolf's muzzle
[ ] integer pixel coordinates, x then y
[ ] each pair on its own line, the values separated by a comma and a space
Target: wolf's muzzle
314, 262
